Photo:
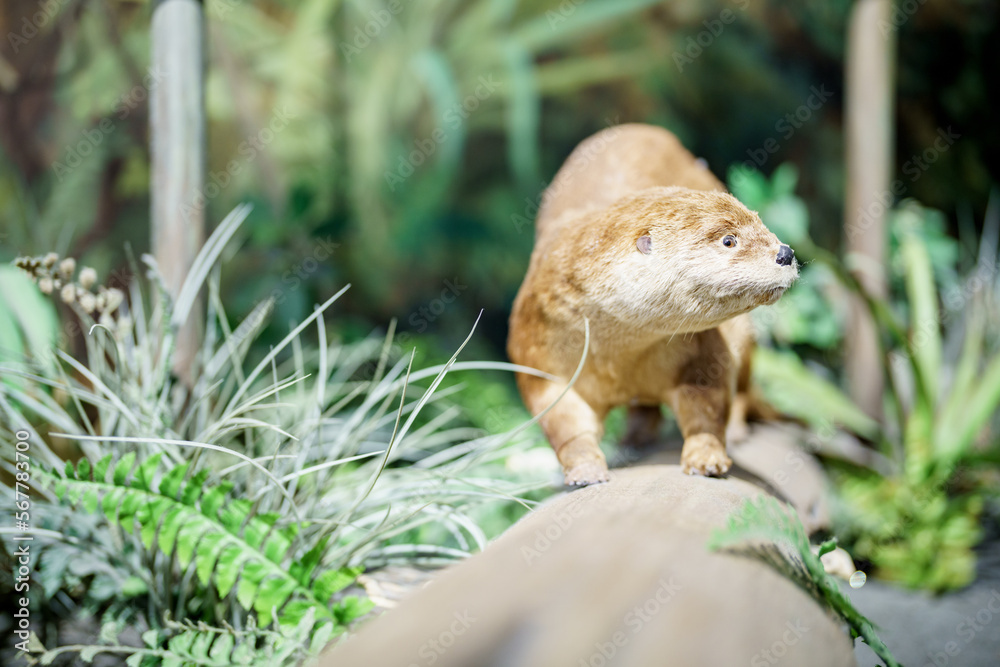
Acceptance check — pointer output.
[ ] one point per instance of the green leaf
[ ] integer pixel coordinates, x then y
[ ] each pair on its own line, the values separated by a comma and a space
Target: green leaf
172, 523
212, 500
170, 485
303, 568
123, 467
145, 472
925, 317
187, 539
332, 581
110, 503
227, 568
194, 487
222, 647
206, 556
91, 500
101, 469
352, 608
798, 392
272, 594
83, 469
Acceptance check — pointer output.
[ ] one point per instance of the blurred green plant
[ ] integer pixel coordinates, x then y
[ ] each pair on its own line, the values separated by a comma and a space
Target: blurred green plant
28, 324
246, 504
918, 524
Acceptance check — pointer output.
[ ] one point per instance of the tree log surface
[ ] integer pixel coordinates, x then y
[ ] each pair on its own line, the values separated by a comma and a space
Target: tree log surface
612, 574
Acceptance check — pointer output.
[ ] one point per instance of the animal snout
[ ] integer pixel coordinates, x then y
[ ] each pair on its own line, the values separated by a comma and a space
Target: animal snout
785, 255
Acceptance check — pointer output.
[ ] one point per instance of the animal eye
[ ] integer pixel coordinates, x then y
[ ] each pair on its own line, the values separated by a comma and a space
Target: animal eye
729, 241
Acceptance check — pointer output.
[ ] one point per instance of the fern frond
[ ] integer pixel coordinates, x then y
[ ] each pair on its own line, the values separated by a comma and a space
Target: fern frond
768, 530
230, 547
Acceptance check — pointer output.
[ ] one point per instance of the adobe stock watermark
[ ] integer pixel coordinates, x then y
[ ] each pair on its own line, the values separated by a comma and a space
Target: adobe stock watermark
772, 654
432, 649
426, 314
454, 116
634, 621
31, 25
901, 13
970, 626
560, 522
696, 44
76, 153
955, 300
560, 14
914, 168
364, 35
589, 151
785, 127
248, 149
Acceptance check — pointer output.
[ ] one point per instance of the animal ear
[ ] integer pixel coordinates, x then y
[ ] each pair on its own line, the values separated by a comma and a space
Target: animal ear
644, 244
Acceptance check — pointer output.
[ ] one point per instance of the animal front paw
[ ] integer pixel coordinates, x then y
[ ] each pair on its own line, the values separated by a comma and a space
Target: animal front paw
704, 454
590, 472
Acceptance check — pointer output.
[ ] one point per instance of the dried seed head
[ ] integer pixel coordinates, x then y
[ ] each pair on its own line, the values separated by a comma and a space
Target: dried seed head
50, 260
114, 298
88, 277
87, 302
67, 267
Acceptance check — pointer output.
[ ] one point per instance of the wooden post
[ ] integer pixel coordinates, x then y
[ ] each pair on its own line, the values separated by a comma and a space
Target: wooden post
870, 96
177, 139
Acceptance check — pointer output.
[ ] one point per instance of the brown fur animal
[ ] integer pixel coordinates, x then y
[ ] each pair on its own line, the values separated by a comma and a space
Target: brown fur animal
639, 239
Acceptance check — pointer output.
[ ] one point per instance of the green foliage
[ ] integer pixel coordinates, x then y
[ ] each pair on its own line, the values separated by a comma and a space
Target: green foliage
943, 366
771, 531
237, 551
797, 391
199, 645
28, 325
255, 497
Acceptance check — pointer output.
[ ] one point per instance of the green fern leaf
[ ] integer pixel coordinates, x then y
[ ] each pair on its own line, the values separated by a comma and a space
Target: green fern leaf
207, 556
101, 468
221, 649
170, 485
123, 467
145, 471
228, 568
192, 492
352, 608
228, 545
333, 581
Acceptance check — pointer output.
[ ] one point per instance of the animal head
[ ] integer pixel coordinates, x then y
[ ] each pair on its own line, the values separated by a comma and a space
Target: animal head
692, 259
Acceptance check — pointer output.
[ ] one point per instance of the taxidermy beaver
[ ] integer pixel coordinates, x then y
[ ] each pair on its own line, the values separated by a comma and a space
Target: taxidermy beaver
639, 238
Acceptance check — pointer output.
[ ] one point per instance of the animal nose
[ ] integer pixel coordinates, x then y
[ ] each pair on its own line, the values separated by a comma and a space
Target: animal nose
785, 255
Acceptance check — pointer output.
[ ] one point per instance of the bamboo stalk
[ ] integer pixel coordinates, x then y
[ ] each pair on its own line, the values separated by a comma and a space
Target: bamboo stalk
869, 110
177, 143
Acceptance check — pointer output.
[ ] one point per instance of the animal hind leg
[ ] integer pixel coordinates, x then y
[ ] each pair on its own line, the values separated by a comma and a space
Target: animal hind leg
642, 426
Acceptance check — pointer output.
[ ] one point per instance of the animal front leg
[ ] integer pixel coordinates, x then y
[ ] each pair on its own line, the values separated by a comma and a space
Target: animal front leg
573, 429
701, 414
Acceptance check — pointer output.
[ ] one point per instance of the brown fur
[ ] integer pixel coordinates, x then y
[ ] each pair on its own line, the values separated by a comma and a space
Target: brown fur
667, 326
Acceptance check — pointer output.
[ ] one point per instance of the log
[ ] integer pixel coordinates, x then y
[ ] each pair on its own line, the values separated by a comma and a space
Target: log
612, 574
